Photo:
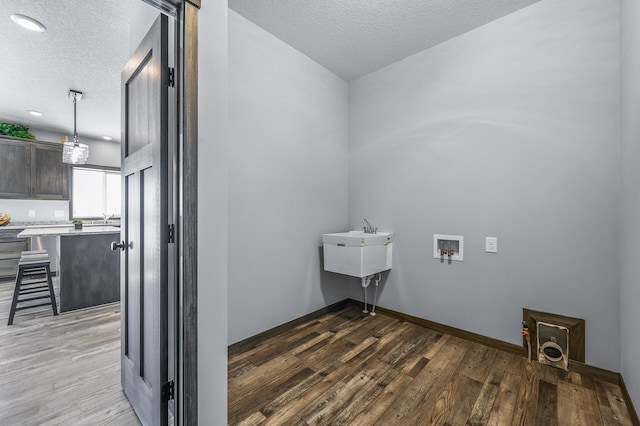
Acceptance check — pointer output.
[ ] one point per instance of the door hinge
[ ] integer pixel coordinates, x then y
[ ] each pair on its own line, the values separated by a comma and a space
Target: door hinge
172, 233
168, 391
172, 77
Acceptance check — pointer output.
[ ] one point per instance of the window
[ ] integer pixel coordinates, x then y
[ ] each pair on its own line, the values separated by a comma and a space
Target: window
96, 192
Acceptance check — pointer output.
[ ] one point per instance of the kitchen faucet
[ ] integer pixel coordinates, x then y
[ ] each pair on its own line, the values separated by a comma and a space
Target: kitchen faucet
106, 217
368, 228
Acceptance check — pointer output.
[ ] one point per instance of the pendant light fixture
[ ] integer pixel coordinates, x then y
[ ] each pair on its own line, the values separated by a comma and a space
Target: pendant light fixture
75, 152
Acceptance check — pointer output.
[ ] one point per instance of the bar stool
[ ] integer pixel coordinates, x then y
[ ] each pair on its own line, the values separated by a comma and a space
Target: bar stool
33, 279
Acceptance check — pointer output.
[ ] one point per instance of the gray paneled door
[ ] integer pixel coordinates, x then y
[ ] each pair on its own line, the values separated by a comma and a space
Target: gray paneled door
145, 81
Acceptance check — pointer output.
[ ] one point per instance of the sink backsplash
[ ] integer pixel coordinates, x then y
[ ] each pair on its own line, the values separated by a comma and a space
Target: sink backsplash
110, 222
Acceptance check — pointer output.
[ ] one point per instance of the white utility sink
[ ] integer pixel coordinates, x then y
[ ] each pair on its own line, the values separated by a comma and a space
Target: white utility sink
356, 253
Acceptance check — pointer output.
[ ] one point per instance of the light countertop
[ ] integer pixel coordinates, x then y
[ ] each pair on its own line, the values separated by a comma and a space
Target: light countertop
25, 225
68, 231
57, 224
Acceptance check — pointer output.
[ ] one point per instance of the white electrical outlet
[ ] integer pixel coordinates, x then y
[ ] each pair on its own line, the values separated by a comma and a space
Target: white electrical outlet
491, 245
58, 213
31, 213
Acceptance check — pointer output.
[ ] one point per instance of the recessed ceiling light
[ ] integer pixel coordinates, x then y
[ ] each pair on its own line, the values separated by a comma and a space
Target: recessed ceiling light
28, 23
36, 113
107, 138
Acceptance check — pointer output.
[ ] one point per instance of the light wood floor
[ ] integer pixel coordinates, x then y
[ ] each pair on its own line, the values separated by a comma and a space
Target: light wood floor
62, 370
349, 368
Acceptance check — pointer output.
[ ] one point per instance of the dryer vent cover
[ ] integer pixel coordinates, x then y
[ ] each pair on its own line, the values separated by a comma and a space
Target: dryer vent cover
553, 345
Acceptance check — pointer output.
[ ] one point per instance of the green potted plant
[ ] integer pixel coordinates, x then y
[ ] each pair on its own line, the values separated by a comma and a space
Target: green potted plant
77, 224
15, 130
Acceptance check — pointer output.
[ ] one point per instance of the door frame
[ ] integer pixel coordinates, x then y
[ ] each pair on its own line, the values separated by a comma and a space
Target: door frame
185, 13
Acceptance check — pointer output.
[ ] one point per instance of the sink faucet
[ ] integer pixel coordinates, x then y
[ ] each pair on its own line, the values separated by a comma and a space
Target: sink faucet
368, 229
106, 217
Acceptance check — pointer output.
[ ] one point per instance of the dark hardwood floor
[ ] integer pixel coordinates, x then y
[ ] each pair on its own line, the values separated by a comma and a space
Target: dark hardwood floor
349, 368
62, 370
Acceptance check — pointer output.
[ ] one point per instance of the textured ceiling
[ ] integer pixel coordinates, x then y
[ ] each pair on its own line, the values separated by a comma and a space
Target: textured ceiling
85, 47
87, 44
354, 37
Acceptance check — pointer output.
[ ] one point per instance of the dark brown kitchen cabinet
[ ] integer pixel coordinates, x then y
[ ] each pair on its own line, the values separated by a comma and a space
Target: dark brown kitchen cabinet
30, 169
49, 175
11, 247
15, 169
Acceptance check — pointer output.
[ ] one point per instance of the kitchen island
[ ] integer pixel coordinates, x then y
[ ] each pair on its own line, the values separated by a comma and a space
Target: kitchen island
88, 271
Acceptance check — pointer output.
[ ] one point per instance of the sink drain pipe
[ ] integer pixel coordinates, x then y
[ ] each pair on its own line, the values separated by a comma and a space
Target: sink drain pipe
375, 297
365, 283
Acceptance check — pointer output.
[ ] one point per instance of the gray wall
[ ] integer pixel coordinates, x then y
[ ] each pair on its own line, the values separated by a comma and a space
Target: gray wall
212, 213
512, 131
630, 232
288, 161
45, 210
